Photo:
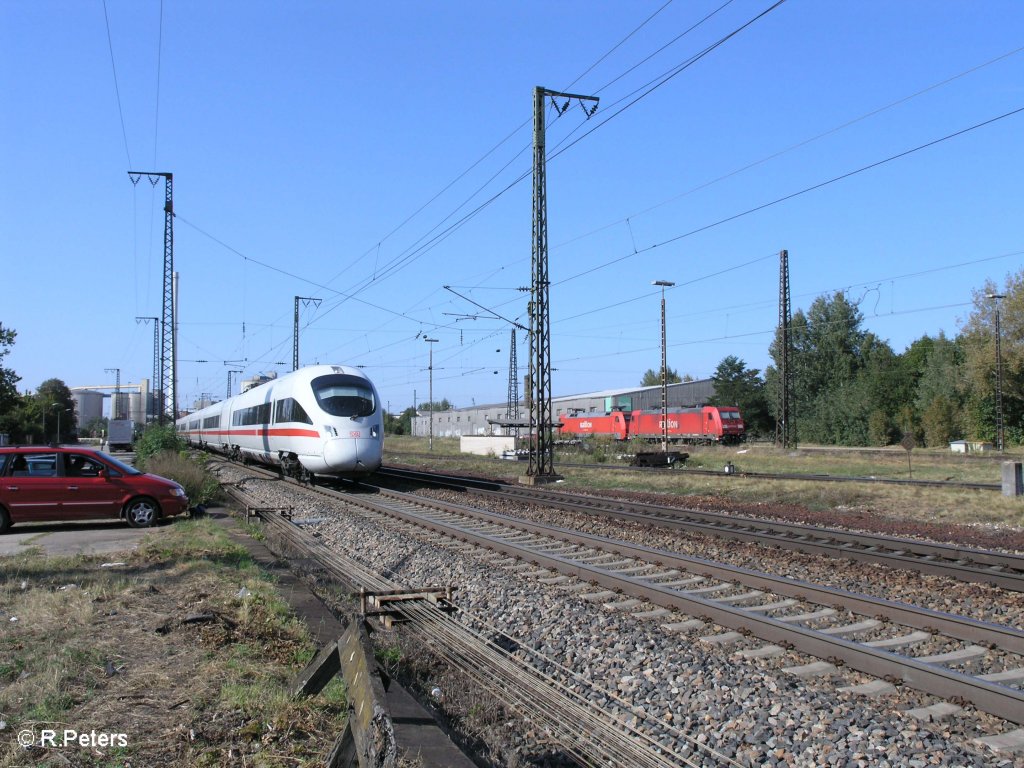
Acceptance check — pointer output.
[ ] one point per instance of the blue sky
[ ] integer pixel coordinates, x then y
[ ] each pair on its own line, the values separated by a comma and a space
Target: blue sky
338, 150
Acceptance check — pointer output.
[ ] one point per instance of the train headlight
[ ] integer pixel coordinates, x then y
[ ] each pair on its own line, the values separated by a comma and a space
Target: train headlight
374, 431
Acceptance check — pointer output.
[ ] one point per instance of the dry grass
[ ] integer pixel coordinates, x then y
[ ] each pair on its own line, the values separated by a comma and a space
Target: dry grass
112, 653
899, 502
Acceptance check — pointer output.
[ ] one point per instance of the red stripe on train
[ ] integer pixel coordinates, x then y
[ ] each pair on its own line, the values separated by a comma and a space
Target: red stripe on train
284, 432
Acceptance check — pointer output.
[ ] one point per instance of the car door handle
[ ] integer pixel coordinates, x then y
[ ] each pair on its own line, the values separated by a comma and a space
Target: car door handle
72, 487
12, 487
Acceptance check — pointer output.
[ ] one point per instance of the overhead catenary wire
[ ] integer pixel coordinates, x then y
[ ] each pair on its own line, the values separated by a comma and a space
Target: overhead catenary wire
798, 193
402, 314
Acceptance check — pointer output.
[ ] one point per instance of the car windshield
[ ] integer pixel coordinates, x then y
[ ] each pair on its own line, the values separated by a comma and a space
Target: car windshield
342, 395
118, 465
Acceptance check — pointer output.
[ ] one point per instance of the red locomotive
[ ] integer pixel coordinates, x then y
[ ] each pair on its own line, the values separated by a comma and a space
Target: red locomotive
706, 424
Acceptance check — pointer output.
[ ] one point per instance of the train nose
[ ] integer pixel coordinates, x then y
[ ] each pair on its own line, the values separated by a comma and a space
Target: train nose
348, 454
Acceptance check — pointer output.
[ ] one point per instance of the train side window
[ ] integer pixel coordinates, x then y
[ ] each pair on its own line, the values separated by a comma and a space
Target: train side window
289, 410
299, 414
283, 410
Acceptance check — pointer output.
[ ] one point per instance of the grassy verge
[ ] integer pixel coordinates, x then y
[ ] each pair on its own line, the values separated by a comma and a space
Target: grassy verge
932, 505
186, 650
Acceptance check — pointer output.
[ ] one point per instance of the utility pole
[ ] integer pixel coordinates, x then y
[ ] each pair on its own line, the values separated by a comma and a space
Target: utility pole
229, 381
168, 368
664, 367
512, 410
430, 394
306, 301
151, 408
999, 373
115, 408
542, 445
785, 431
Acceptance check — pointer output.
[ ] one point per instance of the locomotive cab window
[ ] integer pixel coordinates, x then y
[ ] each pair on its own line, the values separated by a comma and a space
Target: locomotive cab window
342, 395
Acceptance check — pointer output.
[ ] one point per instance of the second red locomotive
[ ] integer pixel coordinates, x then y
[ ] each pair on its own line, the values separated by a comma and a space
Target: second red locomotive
706, 424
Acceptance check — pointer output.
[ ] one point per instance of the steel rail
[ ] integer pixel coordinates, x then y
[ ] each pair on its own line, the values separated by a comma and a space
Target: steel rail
1000, 569
1000, 700
751, 475
590, 735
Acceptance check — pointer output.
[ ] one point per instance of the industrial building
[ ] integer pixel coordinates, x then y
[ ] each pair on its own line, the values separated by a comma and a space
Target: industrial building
477, 420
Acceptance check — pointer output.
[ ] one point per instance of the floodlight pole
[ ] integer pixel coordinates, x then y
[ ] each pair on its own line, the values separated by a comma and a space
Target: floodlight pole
664, 367
430, 395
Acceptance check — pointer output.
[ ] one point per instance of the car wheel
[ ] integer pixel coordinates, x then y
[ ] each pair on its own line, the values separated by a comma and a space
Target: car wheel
5, 520
141, 513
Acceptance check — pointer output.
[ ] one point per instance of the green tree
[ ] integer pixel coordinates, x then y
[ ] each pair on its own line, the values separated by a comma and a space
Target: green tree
52, 398
652, 378
8, 378
937, 420
828, 404
443, 405
400, 424
978, 341
737, 385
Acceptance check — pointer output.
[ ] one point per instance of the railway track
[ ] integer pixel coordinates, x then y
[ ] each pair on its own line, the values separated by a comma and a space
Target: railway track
749, 602
817, 478
999, 569
902, 644
588, 734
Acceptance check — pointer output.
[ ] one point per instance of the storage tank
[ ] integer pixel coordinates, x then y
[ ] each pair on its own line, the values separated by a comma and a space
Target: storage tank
88, 406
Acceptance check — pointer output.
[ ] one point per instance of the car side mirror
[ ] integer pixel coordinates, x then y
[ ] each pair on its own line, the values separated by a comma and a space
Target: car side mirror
101, 472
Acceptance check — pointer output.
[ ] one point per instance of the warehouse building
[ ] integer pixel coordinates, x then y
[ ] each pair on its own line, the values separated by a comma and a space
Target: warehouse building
478, 419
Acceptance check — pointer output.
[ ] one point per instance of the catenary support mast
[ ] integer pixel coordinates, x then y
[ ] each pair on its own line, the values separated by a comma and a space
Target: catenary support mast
168, 368
542, 456
306, 300
152, 408
785, 429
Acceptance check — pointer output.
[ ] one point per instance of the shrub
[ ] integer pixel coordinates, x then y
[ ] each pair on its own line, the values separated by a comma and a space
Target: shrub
156, 439
200, 484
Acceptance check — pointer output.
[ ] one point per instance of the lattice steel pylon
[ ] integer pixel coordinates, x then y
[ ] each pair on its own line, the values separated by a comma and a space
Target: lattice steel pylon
116, 412
785, 429
168, 403
512, 411
306, 300
542, 446
151, 407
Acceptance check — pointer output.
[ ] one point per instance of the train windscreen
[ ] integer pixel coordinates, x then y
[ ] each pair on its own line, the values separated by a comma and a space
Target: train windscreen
342, 395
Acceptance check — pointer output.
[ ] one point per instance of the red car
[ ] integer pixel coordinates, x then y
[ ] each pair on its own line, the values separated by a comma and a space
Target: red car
68, 483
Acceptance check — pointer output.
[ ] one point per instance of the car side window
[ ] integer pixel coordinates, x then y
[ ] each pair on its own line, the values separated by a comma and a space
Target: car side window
77, 465
34, 465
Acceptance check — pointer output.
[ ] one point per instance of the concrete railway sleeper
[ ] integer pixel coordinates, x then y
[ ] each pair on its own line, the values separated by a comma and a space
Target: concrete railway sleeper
552, 698
1000, 569
625, 585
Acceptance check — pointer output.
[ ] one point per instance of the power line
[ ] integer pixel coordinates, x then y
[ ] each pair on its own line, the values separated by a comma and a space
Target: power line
792, 195
799, 144
117, 90
159, 60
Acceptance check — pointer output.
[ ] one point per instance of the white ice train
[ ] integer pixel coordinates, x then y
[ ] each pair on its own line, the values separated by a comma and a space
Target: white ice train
318, 420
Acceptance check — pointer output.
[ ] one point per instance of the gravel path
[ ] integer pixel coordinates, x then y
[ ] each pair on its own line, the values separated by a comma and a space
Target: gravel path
747, 709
